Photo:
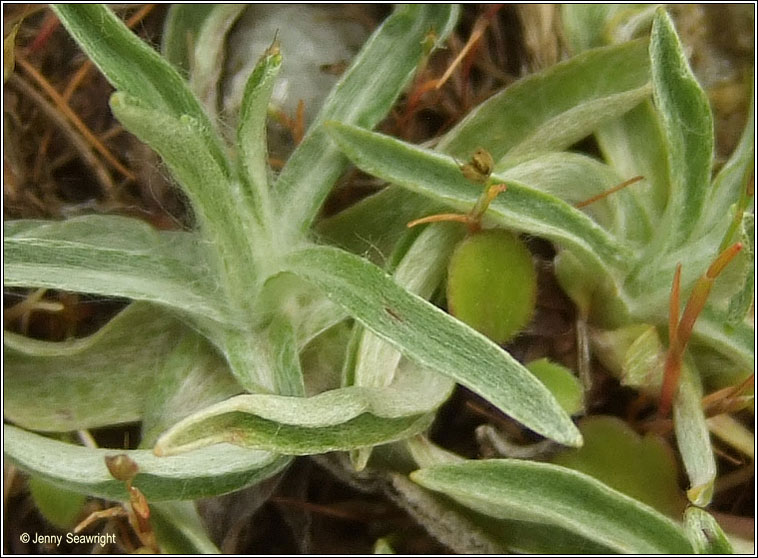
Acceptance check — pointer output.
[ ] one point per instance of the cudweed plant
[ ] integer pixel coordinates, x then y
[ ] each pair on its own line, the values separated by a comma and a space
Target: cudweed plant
215, 355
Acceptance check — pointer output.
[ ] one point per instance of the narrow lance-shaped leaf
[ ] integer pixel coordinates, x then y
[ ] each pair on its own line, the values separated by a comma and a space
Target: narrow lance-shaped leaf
733, 178
201, 474
60, 507
465, 531
209, 54
688, 125
632, 143
134, 67
553, 109
251, 132
649, 285
433, 338
341, 419
420, 272
113, 256
308, 311
363, 96
693, 438
520, 207
528, 490
180, 29
732, 432
246, 352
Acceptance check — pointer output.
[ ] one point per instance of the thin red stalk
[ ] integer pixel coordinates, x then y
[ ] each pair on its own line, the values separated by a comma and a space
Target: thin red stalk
679, 336
673, 366
608, 192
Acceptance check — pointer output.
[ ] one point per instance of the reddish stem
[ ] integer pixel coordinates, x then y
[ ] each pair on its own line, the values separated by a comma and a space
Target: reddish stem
673, 365
679, 335
608, 192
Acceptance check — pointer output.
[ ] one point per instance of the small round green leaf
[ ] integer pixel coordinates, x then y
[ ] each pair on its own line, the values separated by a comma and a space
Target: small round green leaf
561, 382
644, 468
492, 284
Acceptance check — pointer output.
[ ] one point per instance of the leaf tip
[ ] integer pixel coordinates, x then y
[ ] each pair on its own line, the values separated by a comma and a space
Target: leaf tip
574, 439
116, 100
701, 494
417, 476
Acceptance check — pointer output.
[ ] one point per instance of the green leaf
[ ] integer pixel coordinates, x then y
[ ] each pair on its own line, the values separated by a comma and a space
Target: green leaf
262, 359
644, 468
688, 125
733, 432
251, 133
736, 342
100, 380
420, 272
180, 30
742, 300
135, 68
693, 438
466, 531
574, 178
521, 208
733, 178
324, 357
288, 375
561, 382
247, 353
550, 494
594, 25
610, 346
112, 256
432, 338
219, 203
179, 529
704, 532
209, 54
634, 145
643, 362
649, 285
200, 474
363, 96
341, 419
555, 108
446, 521
62, 508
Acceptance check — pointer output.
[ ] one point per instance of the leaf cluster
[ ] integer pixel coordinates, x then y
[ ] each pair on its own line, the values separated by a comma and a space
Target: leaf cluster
214, 356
